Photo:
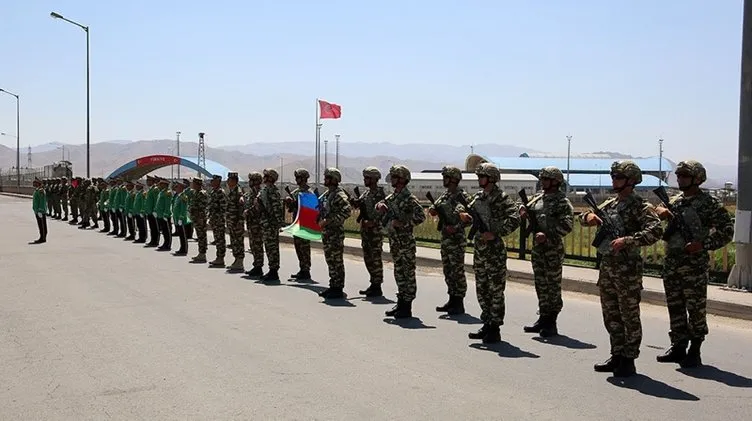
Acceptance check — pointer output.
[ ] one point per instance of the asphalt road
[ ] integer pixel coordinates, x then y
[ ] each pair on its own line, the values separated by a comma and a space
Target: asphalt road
92, 327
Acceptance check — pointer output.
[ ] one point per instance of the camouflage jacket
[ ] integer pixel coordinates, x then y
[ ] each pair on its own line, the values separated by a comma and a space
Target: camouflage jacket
252, 215
450, 205
197, 208
217, 206
635, 219
367, 208
499, 212
707, 221
402, 207
270, 206
234, 207
554, 215
335, 208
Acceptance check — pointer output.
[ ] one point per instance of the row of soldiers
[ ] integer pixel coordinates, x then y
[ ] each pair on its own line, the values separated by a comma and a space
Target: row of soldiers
630, 220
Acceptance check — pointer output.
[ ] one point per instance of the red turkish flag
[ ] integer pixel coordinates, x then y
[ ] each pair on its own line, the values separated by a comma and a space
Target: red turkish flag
329, 110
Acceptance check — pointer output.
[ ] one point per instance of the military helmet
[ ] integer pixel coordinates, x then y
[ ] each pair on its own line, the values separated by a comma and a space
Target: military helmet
693, 168
255, 177
333, 173
271, 173
552, 173
372, 172
301, 172
628, 169
451, 171
400, 171
489, 170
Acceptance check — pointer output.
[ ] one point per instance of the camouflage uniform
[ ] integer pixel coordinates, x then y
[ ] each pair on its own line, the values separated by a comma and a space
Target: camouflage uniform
54, 198
197, 210
253, 223
404, 212
64, 189
302, 246
216, 210
371, 235
335, 209
272, 212
620, 275
448, 208
685, 275
554, 217
104, 193
235, 223
73, 200
499, 213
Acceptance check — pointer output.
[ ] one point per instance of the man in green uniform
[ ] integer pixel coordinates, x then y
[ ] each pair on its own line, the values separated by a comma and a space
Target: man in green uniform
128, 209
163, 211
151, 217
39, 206
138, 213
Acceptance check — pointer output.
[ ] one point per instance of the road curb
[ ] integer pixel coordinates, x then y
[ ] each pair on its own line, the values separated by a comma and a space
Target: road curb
715, 307
20, 196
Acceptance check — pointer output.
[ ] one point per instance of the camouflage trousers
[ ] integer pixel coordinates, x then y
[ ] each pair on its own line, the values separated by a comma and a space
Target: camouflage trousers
620, 284
685, 280
199, 226
372, 243
303, 250
64, 206
453, 263
56, 205
236, 229
270, 235
220, 242
256, 240
490, 267
547, 259
74, 207
333, 240
402, 249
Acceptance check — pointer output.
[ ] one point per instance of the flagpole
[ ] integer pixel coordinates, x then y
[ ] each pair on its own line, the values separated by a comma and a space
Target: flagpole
318, 144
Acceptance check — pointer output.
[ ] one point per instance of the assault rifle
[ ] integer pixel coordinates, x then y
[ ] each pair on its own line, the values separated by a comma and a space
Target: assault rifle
440, 210
289, 193
356, 204
532, 225
608, 229
478, 224
677, 222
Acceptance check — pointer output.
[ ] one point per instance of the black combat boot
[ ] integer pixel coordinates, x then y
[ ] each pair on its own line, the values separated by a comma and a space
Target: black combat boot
332, 293
402, 310
271, 276
536, 327
609, 365
675, 353
302, 275
693, 358
374, 290
548, 327
493, 334
625, 368
480, 334
257, 271
446, 306
454, 305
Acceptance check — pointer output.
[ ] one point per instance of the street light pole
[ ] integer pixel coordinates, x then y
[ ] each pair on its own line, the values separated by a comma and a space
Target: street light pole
18, 138
336, 155
326, 154
569, 150
660, 161
88, 102
178, 140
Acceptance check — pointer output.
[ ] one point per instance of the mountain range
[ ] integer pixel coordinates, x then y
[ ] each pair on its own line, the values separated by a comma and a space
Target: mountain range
108, 156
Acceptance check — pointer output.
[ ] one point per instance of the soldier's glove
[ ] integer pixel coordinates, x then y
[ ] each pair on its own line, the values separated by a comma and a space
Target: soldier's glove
663, 213
180, 223
39, 214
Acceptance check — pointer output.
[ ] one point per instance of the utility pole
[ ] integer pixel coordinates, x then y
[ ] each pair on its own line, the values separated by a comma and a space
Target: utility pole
660, 161
281, 169
336, 154
326, 154
741, 272
178, 141
569, 151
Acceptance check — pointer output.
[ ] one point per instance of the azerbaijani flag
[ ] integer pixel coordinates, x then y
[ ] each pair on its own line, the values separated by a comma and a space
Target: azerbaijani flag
305, 225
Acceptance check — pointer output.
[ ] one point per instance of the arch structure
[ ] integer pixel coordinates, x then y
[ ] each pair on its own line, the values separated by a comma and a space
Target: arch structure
139, 167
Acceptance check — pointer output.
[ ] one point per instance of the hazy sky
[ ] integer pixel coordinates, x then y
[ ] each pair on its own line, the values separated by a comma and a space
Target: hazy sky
615, 74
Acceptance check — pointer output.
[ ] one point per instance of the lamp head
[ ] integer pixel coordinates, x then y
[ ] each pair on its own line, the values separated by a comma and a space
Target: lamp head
56, 15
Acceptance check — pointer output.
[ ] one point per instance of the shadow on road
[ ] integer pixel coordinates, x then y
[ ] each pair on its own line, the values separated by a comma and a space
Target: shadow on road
409, 323
463, 319
302, 281
378, 300
339, 302
652, 387
565, 341
708, 372
505, 350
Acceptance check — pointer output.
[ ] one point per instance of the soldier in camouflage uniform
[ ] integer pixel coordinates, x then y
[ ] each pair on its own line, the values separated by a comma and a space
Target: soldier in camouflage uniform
253, 222
705, 225
235, 222
188, 225
48, 188
554, 219
335, 209
216, 212
371, 236
197, 211
73, 200
64, 188
448, 208
499, 217
402, 213
302, 246
620, 274
54, 198
269, 204
180, 217
83, 204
